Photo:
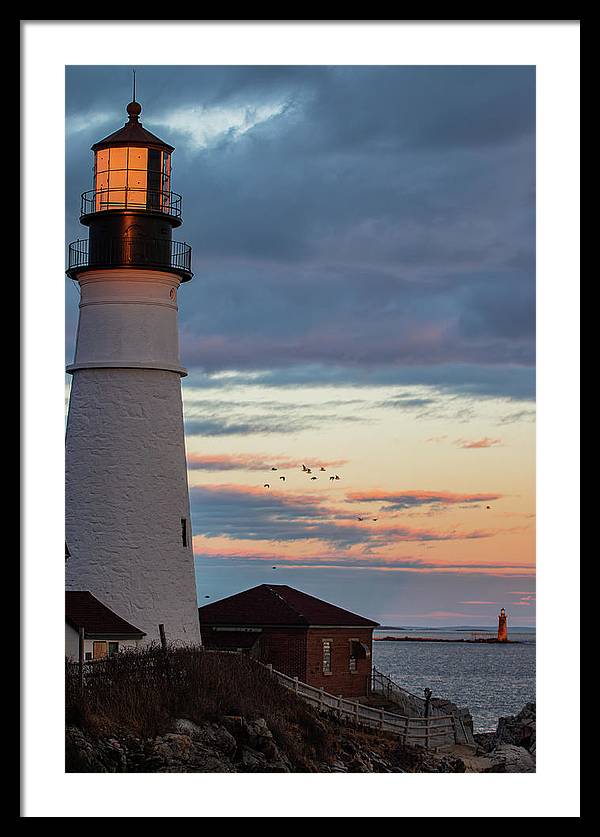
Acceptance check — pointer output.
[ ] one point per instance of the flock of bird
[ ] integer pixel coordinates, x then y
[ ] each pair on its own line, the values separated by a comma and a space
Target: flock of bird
305, 470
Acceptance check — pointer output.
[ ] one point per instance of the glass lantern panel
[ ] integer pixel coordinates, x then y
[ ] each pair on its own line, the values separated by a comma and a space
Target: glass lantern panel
166, 180
138, 159
137, 178
117, 182
101, 179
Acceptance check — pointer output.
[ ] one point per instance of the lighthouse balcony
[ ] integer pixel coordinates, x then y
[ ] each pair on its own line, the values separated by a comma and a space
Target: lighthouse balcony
130, 198
130, 251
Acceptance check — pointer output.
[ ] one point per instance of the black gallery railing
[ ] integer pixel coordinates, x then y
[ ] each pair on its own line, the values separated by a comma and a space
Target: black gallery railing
132, 197
131, 251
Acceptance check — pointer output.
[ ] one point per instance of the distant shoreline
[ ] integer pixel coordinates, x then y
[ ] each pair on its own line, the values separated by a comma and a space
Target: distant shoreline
483, 640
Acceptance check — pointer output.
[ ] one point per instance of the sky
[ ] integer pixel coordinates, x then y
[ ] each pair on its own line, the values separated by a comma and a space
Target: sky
363, 302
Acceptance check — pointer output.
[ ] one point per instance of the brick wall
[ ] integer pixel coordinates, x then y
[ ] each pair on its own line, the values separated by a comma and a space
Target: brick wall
285, 649
341, 681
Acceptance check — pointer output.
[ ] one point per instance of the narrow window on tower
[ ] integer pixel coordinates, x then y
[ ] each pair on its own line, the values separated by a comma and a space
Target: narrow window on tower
184, 531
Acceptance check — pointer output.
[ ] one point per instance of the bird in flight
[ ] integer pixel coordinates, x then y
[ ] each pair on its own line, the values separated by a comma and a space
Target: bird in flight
207, 597
360, 518
273, 568
373, 519
488, 507
336, 477
322, 469
313, 478
304, 468
331, 478
282, 478
273, 469
266, 485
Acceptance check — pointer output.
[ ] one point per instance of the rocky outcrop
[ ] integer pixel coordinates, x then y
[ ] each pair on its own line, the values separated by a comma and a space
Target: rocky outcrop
240, 745
508, 758
511, 748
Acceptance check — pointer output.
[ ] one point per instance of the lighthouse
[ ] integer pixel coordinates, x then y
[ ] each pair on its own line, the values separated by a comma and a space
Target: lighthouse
127, 528
502, 629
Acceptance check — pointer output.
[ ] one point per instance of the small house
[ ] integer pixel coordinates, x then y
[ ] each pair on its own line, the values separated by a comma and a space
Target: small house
319, 643
105, 633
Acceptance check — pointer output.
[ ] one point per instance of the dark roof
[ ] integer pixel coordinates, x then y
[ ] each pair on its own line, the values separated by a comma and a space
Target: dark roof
229, 640
278, 604
82, 610
132, 133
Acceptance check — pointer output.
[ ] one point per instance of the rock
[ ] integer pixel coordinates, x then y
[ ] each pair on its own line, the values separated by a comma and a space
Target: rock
172, 746
450, 764
509, 758
251, 761
485, 741
209, 736
83, 754
518, 730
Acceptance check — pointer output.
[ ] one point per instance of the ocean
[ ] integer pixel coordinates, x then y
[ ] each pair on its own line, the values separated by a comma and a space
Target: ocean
492, 680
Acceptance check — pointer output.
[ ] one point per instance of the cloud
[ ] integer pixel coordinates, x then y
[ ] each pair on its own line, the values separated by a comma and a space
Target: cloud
204, 127
356, 217
478, 443
399, 501
477, 602
251, 462
256, 513
239, 555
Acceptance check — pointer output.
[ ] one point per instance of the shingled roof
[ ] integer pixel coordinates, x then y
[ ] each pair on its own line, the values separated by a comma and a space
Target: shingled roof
82, 610
278, 604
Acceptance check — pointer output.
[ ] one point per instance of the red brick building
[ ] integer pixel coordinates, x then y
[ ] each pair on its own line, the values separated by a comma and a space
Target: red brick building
300, 635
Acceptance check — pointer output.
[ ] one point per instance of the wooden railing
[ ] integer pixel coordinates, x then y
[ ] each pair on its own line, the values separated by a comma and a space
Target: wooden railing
432, 731
415, 706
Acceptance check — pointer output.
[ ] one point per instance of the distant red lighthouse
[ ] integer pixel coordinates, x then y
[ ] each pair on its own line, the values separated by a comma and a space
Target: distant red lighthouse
502, 629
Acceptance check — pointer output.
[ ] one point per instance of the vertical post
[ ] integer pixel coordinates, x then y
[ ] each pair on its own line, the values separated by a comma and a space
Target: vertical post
81, 656
381, 717
339, 706
405, 737
270, 668
453, 722
296, 684
428, 694
163, 638
356, 712
321, 698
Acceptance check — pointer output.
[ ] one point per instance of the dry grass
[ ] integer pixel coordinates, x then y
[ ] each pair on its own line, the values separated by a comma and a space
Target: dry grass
141, 692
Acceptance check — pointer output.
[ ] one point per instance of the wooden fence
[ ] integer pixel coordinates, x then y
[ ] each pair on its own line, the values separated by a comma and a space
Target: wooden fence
433, 731
415, 706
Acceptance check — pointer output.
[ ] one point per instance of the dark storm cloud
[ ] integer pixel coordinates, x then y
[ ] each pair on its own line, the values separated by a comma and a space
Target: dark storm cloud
465, 380
356, 217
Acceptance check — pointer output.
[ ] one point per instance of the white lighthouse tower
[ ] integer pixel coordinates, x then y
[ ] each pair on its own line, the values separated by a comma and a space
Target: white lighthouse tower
128, 533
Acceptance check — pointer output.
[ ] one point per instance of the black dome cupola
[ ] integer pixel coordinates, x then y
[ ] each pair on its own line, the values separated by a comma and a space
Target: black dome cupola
131, 211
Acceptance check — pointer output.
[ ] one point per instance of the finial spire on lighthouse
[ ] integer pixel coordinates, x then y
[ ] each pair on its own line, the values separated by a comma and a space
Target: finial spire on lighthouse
127, 505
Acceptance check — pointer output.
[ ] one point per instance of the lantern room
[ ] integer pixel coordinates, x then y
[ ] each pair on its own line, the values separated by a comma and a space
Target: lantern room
131, 211
132, 171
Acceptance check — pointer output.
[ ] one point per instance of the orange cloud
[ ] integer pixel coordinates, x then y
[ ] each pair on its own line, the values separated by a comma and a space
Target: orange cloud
408, 499
252, 462
478, 443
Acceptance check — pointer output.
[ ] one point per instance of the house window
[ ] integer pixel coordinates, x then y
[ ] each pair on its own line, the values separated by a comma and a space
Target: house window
326, 656
358, 651
88, 655
184, 531
113, 648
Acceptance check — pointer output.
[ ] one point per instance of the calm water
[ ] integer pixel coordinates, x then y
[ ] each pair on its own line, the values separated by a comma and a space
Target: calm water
492, 680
